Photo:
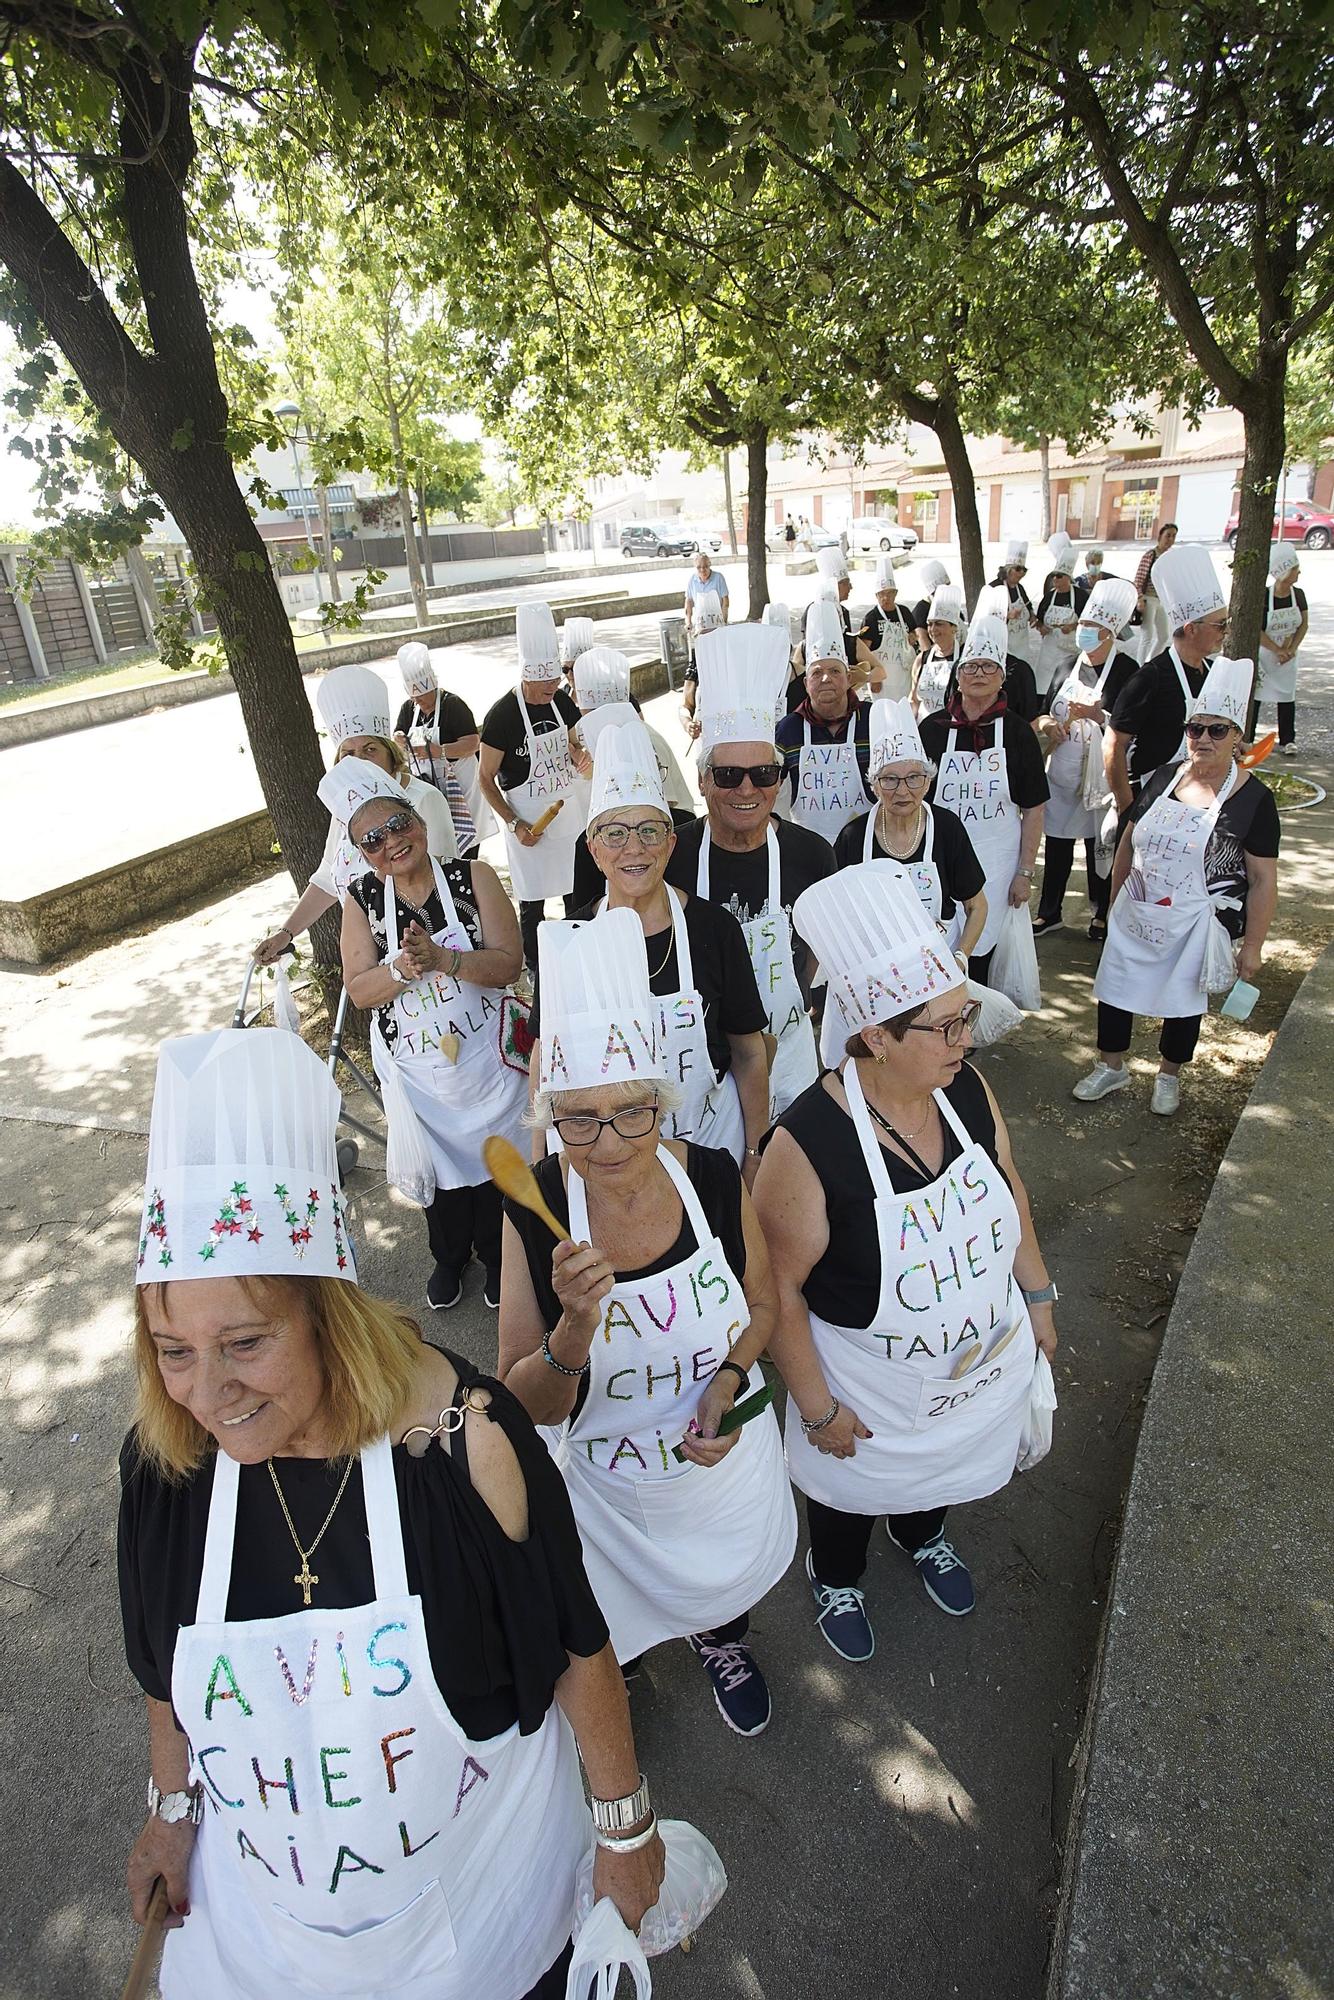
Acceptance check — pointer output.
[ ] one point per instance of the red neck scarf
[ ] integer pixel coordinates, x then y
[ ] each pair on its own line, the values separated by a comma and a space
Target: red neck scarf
840, 725
967, 728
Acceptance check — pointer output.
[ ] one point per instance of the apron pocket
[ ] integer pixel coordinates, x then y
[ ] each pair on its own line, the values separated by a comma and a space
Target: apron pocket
342, 1966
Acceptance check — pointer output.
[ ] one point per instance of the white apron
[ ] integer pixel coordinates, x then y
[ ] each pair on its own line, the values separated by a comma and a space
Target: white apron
1158, 934
671, 1549
975, 786
1277, 680
895, 654
769, 941
924, 874
547, 869
933, 683
1057, 649
946, 1281
1021, 638
1067, 816
355, 1842
459, 1104
830, 791
429, 762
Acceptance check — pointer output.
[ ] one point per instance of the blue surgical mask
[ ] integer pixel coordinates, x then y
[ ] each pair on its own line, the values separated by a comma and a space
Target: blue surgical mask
1087, 637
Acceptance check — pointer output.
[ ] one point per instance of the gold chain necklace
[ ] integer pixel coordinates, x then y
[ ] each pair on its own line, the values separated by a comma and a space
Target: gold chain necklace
305, 1576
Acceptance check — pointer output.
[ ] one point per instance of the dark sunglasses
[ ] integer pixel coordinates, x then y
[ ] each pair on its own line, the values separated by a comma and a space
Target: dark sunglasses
372, 842
729, 777
1215, 731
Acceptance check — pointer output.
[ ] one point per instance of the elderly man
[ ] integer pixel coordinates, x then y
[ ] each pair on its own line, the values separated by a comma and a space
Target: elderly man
826, 742
742, 857
1154, 633
1148, 718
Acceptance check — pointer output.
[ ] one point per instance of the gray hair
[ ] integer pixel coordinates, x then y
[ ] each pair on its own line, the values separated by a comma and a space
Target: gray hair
548, 1105
710, 757
926, 764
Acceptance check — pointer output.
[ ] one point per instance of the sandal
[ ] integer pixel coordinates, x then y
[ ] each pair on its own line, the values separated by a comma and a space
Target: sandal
1098, 931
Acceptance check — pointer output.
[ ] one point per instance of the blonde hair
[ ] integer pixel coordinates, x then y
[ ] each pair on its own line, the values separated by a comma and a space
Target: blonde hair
370, 1352
398, 763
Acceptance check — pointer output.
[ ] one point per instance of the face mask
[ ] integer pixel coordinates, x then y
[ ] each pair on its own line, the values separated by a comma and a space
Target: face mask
1089, 636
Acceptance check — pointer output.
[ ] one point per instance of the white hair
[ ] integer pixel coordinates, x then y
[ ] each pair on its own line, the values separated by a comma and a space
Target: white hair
548, 1105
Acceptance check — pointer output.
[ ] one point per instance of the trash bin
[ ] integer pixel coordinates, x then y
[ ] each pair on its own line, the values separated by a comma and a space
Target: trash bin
675, 648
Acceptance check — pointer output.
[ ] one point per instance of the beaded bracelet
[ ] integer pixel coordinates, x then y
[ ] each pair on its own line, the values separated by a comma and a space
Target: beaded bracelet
822, 1423
559, 1366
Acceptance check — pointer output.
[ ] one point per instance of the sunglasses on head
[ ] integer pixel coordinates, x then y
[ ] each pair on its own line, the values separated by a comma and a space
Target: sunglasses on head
372, 842
728, 777
1215, 731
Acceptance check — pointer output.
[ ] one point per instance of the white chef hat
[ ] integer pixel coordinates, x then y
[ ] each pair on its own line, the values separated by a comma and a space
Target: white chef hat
832, 564
1058, 544
353, 701
625, 768
879, 948
885, 578
946, 603
599, 1019
1110, 604
1063, 560
539, 650
894, 737
354, 782
985, 640
242, 1174
1187, 583
576, 637
932, 575
742, 674
1226, 692
601, 675
1015, 552
708, 611
1284, 560
776, 614
824, 633
415, 669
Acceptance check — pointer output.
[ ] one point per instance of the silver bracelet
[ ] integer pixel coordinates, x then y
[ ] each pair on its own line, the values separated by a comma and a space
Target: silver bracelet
822, 1423
559, 1366
628, 1845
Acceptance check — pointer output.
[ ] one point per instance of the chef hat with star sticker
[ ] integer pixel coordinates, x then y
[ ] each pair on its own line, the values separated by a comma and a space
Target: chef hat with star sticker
242, 1173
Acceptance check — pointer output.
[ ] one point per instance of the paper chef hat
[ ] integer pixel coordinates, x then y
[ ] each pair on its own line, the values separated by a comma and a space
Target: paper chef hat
601, 675
832, 564
353, 783
1059, 544
1063, 561
894, 737
777, 614
576, 637
933, 574
885, 578
535, 634
242, 1176
708, 611
824, 632
599, 1019
1110, 604
415, 669
1226, 691
878, 946
1284, 560
1016, 552
1187, 584
625, 768
353, 701
742, 674
985, 640
946, 603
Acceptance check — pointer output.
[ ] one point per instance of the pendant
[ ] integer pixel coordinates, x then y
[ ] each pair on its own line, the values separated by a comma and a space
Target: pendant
304, 1579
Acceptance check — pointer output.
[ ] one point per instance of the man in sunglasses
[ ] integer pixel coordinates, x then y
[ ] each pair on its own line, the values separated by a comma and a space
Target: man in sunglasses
1148, 717
742, 857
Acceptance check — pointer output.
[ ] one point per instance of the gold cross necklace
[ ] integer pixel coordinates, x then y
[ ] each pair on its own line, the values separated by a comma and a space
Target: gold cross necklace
305, 1577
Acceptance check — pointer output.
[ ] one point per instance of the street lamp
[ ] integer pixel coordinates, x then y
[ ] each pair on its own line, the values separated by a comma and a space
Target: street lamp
293, 410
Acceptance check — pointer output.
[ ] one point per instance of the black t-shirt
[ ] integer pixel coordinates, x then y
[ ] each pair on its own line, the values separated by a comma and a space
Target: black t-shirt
961, 874
502, 1618
1062, 600
1123, 665
844, 1286
453, 714
739, 883
796, 694
918, 614
722, 972
1152, 709
1021, 689
713, 1175
790, 737
1247, 823
1283, 600
503, 730
873, 631
1023, 758
368, 891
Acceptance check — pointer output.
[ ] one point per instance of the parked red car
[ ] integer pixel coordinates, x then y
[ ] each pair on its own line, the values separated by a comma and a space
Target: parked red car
1302, 522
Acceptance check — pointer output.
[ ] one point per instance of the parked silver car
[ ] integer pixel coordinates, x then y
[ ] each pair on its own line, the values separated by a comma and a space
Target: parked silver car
871, 534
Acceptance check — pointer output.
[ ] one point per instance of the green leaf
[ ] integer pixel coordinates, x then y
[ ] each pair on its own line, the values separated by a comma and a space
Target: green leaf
184, 435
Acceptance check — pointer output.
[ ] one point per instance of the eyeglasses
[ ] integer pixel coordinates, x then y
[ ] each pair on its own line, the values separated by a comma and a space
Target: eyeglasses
583, 1129
975, 669
649, 833
1215, 731
372, 842
953, 1031
730, 777
913, 782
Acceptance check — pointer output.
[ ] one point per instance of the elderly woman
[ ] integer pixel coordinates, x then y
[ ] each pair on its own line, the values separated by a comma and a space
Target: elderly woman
709, 1013
641, 1330
333, 1534
912, 1293
432, 948
933, 676
930, 576
990, 774
1056, 617
928, 842
1194, 889
1023, 639
353, 705
437, 732
1285, 626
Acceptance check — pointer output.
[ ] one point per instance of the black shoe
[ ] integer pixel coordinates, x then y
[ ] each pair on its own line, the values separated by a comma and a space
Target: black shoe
1098, 930
491, 1290
1041, 925
444, 1288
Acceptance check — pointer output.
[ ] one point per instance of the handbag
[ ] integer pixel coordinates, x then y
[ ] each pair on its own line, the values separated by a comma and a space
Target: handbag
605, 1947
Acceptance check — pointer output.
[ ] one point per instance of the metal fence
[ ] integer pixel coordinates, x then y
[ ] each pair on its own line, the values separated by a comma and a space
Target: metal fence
73, 619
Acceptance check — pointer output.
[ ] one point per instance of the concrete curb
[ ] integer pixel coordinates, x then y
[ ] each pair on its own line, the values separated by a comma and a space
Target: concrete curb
1198, 1862
391, 599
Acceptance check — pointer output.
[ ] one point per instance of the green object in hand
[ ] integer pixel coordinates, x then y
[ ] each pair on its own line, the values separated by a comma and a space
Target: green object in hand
740, 1413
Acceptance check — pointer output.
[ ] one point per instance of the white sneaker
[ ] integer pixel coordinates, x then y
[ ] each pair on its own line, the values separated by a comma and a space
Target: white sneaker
1166, 1099
1101, 1081
1287, 750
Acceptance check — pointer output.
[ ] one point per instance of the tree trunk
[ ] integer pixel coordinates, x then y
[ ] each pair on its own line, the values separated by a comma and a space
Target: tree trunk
410, 556
731, 511
1044, 450
967, 526
425, 520
757, 507
1260, 473
326, 537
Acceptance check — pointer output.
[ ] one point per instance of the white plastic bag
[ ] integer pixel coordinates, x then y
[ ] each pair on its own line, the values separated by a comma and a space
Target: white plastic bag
1014, 967
605, 1947
408, 1165
692, 1886
999, 1017
285, 1014
1035, 1438
1220, 965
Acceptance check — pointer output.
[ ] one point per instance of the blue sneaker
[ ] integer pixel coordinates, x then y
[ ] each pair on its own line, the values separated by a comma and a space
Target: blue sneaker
739, 1688
945, 1576
842, 1617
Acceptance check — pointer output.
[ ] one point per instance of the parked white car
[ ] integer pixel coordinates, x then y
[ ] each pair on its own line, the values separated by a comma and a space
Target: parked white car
871, 535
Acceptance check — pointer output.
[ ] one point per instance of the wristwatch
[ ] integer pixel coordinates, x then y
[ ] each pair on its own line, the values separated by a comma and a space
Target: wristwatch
172, 1807
617, 1816
1046, 1296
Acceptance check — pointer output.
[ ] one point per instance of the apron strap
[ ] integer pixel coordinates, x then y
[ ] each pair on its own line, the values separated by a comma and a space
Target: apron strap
383, 1522
685, 965
929, 844
870, 1145
676, 1174
215, 1579
702, 872
868, 842
775, 892
391, 909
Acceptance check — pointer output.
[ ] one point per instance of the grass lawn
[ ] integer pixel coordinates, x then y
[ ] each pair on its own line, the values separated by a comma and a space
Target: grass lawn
93, 680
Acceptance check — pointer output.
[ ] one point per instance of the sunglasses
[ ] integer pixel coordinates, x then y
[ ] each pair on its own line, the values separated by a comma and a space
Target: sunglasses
1215, 731
953, 1031
372, 842
730, 777
649, 833
635, 1122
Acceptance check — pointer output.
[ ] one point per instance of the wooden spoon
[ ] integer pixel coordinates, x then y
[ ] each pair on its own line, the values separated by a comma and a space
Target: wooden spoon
150, 1939
514, 1177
